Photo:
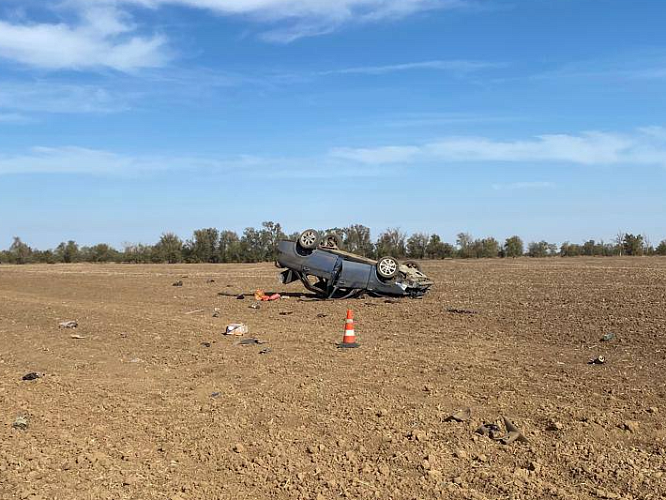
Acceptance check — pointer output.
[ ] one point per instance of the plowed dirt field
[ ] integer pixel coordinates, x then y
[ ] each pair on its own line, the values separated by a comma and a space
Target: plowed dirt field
153, 402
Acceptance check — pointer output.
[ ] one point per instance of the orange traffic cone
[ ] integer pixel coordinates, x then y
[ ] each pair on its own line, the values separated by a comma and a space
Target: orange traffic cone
349, 338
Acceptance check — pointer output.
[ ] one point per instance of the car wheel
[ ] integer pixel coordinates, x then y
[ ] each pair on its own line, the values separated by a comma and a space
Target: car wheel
387, 267
331, 240
413, 264
308, 239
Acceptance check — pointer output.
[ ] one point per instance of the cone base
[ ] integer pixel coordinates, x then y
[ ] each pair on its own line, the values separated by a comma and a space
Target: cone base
348, 346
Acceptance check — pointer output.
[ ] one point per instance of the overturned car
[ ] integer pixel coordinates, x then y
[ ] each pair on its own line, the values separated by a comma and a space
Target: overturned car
330, 272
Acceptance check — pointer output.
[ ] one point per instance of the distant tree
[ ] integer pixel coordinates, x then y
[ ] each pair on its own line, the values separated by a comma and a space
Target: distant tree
67, 252
357, 240
487, 248
391, 242
661, 248
513, 247
137, 253
270, 235
633, 244
437, 249
229, 249
203, 246
465, 244
103, 253
417, 245
538, 249
570, 249
19, 252
251, 245
168, 249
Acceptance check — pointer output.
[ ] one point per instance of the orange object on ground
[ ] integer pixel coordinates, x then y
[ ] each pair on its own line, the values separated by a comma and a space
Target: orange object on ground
261, 295
349, 338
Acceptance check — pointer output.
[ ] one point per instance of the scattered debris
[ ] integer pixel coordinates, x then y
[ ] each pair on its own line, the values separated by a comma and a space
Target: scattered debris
251, 342
177, 283
599, 360
460, 416
286, 313
237, 329
256, 305
453, 310
68, 324
216, 313
194, 312
77, 337
608, 337
261, 295
555, 427
492, 430
32, 376
21, 422
215, 394
513, 433
205, 344
630, 425
265, 350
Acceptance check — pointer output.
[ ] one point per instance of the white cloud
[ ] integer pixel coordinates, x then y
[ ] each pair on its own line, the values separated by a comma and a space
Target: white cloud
645, 146
301, 18
453, 66
102, 37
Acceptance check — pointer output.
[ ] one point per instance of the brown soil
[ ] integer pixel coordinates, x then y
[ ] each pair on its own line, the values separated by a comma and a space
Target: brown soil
128, 410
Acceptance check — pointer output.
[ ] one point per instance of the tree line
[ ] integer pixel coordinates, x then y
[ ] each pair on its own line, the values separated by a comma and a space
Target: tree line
211, 245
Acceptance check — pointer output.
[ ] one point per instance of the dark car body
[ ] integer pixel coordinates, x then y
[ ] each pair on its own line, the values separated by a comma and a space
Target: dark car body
340, 274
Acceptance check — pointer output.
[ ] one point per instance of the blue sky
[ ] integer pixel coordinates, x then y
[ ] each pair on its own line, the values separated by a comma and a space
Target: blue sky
122, 119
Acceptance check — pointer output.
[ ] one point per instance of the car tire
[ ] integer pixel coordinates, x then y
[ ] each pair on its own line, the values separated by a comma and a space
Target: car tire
332, 241
308, 239
387, 267
413, 264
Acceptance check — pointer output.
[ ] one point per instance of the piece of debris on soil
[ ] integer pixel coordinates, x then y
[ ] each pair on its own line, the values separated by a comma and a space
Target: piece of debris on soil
286, 313
237, 329
215, 394
263, 296
460, 416
599, 360
216, 313
322, 315
453, 310
265, 350
177, 283
512, 433
210, 281
21, 422
250, 342
608, 337
240, 296
77, 337
32, 376
256, 305
68, 324
194, 312
136, 360
492, 430
205, 344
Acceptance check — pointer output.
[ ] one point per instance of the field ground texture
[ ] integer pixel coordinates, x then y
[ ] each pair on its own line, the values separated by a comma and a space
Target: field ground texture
141, 407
